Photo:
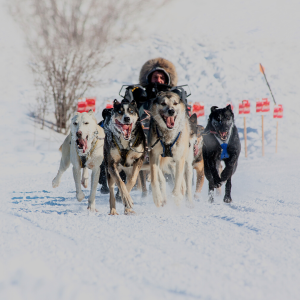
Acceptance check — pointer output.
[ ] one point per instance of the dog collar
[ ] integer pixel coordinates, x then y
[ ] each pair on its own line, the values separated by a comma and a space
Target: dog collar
167, 149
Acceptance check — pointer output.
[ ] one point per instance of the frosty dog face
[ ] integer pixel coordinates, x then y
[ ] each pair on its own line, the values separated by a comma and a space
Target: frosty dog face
168, 110
222, 120
83, 128
125, 117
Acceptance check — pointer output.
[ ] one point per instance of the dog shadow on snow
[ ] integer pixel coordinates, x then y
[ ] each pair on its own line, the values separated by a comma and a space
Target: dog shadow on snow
48, 202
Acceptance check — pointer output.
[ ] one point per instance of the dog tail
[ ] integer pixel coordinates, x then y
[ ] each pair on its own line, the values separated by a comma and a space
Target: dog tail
60, 148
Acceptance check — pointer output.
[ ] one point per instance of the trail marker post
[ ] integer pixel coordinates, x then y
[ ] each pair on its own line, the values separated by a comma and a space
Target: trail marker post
263, 107
244, 109
278, 114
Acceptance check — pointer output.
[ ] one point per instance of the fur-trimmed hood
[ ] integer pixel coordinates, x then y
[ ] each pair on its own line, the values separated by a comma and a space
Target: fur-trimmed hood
158, 64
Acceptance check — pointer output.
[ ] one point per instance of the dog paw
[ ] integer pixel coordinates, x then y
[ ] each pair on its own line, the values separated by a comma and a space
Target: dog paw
227, 199
177, 198
197, 196
211, 197
80, 196
92, 209
113, 212
217, 183
55, 183
85, 183
127, 201
157, 202
129, 211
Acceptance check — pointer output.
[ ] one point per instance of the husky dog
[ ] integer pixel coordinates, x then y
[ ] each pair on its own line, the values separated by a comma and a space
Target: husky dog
83, 147
221, 142
170, 143
124, 149
197, 143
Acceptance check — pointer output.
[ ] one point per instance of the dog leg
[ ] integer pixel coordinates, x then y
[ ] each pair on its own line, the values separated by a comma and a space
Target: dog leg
188, 176
143, 182
85, 177
94, 183
163, 186
112, 199
76, 174
227, 197
132, 177
64, 161
178, 180
220, 169
200, 178
154, 167
127, 200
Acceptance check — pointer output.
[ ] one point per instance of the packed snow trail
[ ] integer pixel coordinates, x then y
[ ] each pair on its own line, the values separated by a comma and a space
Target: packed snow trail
53, 248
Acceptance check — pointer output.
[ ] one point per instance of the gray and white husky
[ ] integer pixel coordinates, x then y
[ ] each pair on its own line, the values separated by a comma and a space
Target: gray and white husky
124, 149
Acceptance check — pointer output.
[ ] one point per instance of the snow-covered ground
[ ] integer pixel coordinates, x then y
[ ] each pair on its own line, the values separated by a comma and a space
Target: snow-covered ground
52, 248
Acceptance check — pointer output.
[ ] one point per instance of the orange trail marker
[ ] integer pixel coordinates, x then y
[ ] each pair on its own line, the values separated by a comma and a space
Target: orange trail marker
262, 69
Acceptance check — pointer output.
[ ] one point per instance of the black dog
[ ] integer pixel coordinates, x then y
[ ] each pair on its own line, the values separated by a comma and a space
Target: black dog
221, 142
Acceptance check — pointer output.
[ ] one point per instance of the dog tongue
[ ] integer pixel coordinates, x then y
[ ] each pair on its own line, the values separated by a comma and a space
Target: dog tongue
196, 150
126, 130
82, 144
170, 122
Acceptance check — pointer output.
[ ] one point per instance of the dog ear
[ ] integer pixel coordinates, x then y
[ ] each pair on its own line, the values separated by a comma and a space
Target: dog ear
90, 112
116, 102
228, 107
213, 108
133, 103
193, 123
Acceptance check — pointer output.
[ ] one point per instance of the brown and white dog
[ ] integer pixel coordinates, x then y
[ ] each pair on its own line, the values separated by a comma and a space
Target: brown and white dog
124, 149
83, 147
170, 144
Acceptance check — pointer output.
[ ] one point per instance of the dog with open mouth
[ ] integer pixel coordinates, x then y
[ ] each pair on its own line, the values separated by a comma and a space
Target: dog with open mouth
124, 149
221, 143
83, 147
169, 143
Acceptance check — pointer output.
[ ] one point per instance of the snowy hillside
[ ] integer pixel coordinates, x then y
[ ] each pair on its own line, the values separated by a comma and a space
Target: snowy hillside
52, 248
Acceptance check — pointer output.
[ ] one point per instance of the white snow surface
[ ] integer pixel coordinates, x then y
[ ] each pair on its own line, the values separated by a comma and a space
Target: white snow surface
51, 247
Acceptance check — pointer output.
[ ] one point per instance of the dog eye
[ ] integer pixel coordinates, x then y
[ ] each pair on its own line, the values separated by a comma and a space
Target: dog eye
131, 111
175, 103
86, 123
119, 111
75, 123
163, 104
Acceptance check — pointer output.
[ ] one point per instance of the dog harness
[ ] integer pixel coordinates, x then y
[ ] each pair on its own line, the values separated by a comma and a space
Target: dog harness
84, 158
125, 151
224, 153
167, 149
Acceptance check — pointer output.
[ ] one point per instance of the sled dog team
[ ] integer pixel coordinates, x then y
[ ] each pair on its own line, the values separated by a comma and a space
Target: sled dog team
150, 130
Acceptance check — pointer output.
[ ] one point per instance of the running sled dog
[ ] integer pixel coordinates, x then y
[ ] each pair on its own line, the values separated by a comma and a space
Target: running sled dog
221, 142
83, 147
124, 149
170, 145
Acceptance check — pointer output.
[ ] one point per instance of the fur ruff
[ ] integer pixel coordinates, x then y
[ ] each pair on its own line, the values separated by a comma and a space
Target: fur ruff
157, 64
